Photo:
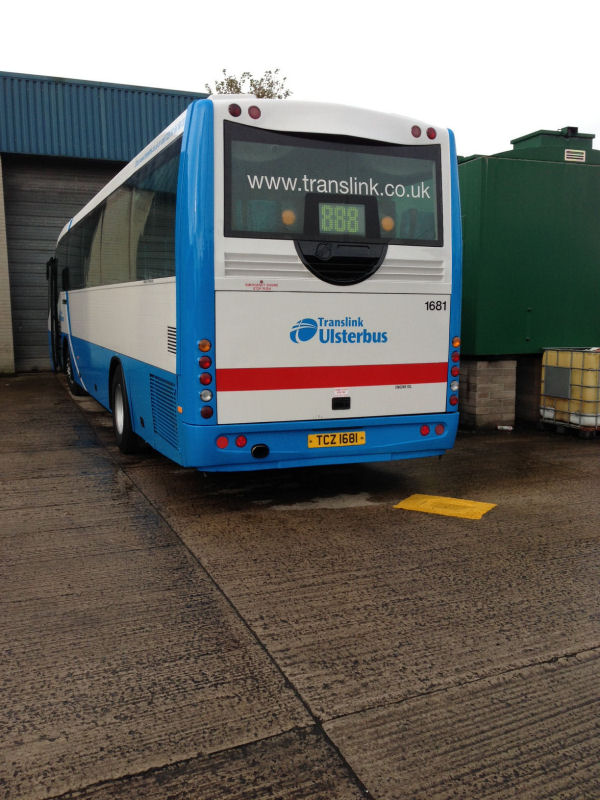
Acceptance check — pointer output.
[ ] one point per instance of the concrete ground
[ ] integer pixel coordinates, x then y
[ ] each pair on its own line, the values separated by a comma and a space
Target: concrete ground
289, 634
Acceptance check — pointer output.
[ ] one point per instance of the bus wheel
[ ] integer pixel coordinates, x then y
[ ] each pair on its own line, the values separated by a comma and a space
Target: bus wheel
74, 387
127, 440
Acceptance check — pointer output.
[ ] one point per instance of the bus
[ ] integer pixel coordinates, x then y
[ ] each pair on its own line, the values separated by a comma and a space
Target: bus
270, 283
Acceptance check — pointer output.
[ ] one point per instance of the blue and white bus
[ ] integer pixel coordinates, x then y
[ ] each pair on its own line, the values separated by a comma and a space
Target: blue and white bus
270, 284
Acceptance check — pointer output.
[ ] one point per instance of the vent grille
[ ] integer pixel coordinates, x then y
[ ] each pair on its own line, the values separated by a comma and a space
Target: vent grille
264, 265
575, 155
164, 410
402, 269
270, 267
172, 340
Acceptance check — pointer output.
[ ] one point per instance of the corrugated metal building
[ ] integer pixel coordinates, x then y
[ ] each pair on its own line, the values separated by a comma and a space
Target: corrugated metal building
60, 141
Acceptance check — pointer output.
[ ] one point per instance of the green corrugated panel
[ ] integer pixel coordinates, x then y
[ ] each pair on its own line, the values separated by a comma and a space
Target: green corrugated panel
82, 119
531, 252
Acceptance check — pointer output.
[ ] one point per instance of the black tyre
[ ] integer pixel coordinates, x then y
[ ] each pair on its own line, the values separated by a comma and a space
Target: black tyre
74, 387
127, 440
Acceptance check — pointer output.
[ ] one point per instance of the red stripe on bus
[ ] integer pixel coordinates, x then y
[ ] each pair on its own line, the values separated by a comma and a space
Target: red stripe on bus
273, 378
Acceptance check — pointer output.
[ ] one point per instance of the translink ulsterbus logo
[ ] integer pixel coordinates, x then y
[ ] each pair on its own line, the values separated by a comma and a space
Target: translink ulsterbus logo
349, 330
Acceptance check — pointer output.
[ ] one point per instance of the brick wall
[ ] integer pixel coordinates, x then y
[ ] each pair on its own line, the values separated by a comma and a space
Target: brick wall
488, 393
7, 359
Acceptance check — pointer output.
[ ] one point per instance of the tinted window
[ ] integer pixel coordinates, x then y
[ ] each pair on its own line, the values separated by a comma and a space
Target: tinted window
131, 236
154, 194
282, 185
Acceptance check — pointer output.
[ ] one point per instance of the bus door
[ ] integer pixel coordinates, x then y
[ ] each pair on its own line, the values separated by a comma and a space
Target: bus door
53, 321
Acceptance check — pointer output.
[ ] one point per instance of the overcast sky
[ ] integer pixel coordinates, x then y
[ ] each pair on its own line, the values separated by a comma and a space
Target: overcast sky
490, 71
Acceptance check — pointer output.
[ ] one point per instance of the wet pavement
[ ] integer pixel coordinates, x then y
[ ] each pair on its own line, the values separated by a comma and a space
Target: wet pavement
290, 634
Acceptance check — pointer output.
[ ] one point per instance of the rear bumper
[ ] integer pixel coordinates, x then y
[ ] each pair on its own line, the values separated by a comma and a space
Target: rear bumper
281, 445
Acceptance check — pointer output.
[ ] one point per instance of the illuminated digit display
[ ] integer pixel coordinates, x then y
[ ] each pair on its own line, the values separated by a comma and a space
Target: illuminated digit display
342, 218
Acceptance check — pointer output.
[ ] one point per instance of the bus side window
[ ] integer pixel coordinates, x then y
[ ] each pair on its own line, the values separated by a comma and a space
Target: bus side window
114, 254
156, 243
152, 234
90, 249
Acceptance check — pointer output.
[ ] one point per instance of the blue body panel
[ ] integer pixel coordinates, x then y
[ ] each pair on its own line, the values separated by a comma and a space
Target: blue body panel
195, 275
160, 428
387, 439
166, 408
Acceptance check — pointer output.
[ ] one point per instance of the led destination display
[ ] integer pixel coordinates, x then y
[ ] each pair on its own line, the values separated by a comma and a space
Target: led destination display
342, 218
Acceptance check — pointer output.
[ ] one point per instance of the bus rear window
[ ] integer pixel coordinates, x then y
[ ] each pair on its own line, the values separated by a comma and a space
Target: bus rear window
306, 187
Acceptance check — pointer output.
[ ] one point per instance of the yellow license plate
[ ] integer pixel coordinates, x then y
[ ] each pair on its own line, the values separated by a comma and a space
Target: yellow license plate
337, 439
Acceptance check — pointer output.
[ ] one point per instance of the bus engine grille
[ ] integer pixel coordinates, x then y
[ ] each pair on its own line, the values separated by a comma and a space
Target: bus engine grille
164, 410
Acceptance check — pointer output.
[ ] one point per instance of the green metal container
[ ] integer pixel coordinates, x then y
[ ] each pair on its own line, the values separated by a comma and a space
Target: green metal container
531, 235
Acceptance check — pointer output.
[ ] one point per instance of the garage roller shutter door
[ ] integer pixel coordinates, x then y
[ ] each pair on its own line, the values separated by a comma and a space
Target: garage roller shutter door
41, 194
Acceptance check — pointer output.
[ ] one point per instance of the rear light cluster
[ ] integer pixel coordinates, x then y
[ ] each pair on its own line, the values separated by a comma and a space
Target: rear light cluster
438, 429
223, 441
235, 110
417, 132
205, 362
454, 371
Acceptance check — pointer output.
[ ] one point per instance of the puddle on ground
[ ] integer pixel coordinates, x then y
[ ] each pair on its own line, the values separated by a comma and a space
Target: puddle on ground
338, 501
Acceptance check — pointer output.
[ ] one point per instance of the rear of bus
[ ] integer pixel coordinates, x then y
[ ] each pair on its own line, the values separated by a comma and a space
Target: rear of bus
318, 287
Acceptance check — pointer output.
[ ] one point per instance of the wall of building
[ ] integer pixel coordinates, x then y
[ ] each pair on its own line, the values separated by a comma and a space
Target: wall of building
7, 361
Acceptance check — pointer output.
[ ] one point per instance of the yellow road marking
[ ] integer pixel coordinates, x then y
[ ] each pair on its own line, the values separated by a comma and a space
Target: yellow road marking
446, 506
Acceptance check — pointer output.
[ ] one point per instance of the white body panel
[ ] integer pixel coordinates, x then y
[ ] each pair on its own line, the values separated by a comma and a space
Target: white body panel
307, 404
254, 331
131, 319
263, 289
